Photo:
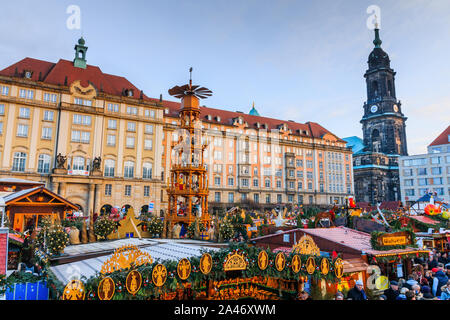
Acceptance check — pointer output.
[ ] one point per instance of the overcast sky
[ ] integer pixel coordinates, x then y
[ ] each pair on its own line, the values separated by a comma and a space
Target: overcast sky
298, 60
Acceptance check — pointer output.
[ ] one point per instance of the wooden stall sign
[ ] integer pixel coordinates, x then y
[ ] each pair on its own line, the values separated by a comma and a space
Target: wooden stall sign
395, 239
235, 261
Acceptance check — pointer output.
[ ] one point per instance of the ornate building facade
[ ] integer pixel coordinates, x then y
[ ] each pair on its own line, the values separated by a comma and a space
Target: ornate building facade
92, 137
384, 135
263, 162
100, 142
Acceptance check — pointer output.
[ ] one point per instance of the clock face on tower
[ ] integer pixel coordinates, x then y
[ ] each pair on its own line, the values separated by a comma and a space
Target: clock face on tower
395, 108
374, 108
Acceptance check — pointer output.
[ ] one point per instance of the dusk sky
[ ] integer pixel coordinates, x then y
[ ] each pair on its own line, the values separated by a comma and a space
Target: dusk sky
298, 60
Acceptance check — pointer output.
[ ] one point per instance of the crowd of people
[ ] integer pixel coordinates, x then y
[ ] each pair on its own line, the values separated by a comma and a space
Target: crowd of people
429, 281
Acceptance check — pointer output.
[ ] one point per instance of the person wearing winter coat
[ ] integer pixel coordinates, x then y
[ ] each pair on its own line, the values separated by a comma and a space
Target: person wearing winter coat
439, 280
411, 282
445, 295
392, 293
402, 295
357, 292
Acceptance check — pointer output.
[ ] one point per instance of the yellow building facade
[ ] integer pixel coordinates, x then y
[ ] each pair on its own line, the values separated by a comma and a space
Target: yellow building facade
261, 162
76, 111
100, 142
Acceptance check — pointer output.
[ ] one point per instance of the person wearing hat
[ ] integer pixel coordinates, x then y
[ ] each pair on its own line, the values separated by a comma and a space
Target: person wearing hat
392, 293
426, 293
439, 280
357, 292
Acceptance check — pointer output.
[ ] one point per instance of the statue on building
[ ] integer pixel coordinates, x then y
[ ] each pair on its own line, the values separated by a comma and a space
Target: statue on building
96, 163
61, 161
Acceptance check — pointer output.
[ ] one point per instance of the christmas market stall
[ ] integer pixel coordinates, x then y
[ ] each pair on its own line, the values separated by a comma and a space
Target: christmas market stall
392, 252
235, 272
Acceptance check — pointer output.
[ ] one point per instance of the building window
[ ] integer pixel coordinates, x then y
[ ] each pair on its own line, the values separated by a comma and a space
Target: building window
278, 183
111, 140
112, 107
267, 198
255, 182
46, 133
44, 163
1, 128
243, 197
48, 115
217, 181
2, 109
409, 192
309, 164
78, 164
19, 161
245, 182
436, 170
22, 130
128, 190
108, 189
422, 171
230, 181
50, 97
217, 196
256, 197
267, 183
82, 119
131, 126
290, 198
147, 170
112, 124
279, 198
132, 110
26, 94
109, 167
83, 102
230, 197
81, 136
291, 185
148, 144
24, 113
310, 185
129, 169
4, 90
311, 199
146, 191
149, 128
130, 142
435, 160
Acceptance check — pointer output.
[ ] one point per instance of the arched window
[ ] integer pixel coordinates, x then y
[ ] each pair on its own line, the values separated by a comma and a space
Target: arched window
375, 88
44, 163
147, 170
19, 160
376, 140
78, 163
110, 166
390, 93
129, 169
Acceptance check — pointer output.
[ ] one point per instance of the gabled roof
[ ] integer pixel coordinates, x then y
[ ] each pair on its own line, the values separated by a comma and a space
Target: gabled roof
56, 73
443, 138
16, 196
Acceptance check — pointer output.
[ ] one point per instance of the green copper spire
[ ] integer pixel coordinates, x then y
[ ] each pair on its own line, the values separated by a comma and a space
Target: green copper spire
377, 42
254, 112
80, 54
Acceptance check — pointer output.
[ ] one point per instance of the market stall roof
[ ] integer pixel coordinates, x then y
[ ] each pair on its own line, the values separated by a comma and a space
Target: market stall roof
159, 249
424, 219
354, 239
15, 197
427, 197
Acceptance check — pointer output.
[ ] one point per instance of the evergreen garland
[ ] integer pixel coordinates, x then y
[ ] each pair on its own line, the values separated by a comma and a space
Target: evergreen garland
226, 230
376, 234
198, 280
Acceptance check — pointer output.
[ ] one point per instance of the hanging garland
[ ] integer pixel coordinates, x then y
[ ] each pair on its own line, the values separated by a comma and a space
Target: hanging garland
197, 280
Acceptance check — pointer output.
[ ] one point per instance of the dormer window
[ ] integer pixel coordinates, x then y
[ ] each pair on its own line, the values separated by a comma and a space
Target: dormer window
28, 74
208, 117
218, 119
258, 125
166, 111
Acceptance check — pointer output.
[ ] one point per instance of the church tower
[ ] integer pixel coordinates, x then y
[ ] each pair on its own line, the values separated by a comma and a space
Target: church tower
383, 121
384, 136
